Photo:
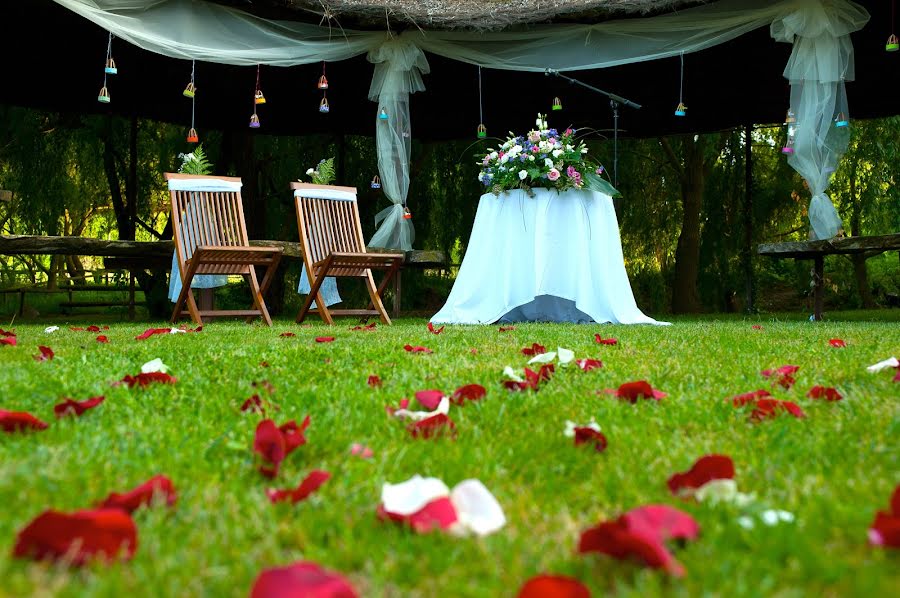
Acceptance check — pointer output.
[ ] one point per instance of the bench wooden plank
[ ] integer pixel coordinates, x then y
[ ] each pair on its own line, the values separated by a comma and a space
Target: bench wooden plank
807, 250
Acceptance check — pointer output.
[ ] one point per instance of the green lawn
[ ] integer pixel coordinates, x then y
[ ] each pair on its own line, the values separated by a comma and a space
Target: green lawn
832, 469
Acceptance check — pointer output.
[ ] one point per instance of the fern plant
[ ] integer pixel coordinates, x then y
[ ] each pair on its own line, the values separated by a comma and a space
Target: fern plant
195, 162
323, 173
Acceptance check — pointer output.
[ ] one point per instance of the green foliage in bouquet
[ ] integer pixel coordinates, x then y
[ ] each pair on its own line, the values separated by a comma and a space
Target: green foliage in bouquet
195, 162
544, 158
323, 173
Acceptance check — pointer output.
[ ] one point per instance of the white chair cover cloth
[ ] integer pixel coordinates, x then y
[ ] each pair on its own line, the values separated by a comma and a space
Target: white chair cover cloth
552, 257
203, 281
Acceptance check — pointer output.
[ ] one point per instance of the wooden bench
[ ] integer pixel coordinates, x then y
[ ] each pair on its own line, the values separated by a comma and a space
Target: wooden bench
817, 250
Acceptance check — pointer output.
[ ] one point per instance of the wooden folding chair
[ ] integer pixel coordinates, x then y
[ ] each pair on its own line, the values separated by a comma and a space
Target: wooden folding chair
332, 242
211, 238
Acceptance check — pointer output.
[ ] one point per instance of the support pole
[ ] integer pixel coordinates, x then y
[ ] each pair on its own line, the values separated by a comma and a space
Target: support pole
749, 286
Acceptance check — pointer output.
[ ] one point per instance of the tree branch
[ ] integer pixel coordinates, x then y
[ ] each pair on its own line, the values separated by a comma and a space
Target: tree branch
674, 162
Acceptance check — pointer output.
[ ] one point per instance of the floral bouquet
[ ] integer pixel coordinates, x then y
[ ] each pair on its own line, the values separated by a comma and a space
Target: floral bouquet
323, 173
543, 158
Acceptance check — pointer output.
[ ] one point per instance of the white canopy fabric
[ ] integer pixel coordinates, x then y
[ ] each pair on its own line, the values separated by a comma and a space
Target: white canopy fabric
821, 62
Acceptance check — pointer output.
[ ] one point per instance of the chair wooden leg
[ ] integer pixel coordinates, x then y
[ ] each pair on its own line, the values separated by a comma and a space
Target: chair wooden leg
187, 297
376, 299
315, 283
258, 300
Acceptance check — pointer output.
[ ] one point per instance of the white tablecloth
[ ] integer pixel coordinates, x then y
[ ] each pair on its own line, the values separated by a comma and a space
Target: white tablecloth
553, 257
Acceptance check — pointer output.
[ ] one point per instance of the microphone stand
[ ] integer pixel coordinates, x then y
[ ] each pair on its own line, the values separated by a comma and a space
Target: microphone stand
614, 101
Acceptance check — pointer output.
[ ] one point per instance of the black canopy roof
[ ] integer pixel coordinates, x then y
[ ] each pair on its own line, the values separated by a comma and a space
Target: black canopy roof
53, 60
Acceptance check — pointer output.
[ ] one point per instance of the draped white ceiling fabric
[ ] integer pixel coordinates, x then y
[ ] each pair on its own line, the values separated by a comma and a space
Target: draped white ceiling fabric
821, 61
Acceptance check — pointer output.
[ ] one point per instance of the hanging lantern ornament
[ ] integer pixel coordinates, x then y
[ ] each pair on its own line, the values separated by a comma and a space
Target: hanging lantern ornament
841, 120
323, 106
376, 182
681, 109
790, 118
323, 80
103, 96
110, 68
893, 44
788, 148
407, 215
258, 99
383, 115
254, 121
481, 132
557, 104
192, 136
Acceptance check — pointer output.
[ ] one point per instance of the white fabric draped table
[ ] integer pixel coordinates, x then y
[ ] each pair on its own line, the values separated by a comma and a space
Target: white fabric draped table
554, 257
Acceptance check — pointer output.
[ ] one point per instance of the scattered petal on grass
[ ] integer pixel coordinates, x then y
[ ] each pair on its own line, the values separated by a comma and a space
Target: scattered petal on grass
374, 381
783, 376
9, 341
589, 364
771, 408
143, 380
516, 383
287, 334
438, 514
432, 427
19, 421
158, 489
885, 529
724, 490
367, 327
144, 335
632, 391
703, 471
477, 510
263, 364
412, 349
591, 436
46, 354
756, 327
469, 392
303, 579
434, 330
324, 339
97, 329
824, 392
512, 374
79, 537
155, 365
254, 404
268, 442
50, 329
569, 430
312, 482
506, 328
543, 358
102, 339
406, 498
534, 349
565, 355
403, 411
667, 523
749, 397
773, 517
76, 408
605, 341
429, 399
837, 343
553, 586
890, 362
361, 451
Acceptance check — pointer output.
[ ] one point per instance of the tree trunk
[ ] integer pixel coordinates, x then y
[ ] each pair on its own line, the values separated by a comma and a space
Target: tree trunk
687, 253
123, 222
859, 259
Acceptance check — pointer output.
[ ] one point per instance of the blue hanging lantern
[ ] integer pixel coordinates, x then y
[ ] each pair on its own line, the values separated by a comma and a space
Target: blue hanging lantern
841, 120
376, 182
110, 68
383, 115
681, 110
324, 108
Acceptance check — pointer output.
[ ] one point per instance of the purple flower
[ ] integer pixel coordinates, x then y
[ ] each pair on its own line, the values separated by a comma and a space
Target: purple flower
571, 172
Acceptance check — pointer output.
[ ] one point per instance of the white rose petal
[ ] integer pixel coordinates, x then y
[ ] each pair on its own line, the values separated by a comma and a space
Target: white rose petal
774, 516
890, 362
716, 491
443, 408
51, 329
557, 153
565, 355
176, 331
543, 358
570, 427
477, 510
154, 366
410, 496
512, 374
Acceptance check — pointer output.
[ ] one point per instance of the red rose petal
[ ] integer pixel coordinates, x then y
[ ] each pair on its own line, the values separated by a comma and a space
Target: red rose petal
615, 539
312, 482
159, 488
19, 421
506, 328
46, 354
589, 364
253, 404
303, 579
824, 392
434, 330
605, 341
640, 389
885, 530
374, 381
367, 327
756, 327
749, 397
97, 329
837, 343
78, 537
324, 339
411, 349
663, 521
6, 332
770, 408
439, 514
293, 434
9, 341
553, 586
287, 334
534, 349
469, 392
73, 407
587, 435
705, 470
269, 443
430, 399
102, 339
143, 380
432, 427
144, 335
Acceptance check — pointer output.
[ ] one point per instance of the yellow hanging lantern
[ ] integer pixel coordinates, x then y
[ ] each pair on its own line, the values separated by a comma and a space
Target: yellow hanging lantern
259, 98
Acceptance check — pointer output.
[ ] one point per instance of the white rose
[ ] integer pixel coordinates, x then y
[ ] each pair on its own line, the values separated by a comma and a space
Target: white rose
531, 158
522, 175
493, 155
480, 177
548, 162
516, 149
310, 171
504, 159
557, 153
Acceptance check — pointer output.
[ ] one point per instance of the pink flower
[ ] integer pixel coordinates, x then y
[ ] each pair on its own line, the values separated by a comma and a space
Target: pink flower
570, 171
534, 148
553, 174
568, 132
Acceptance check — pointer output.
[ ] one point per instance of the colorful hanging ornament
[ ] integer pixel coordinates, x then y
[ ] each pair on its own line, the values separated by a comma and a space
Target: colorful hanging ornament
323, 106
383, 115
323, 80
893, 44
258, 99
681, 109
841, 120
407, 215
481, 132
110, 68
254, 121
103, 96
192, 136
376, 182
790, 118
557, 104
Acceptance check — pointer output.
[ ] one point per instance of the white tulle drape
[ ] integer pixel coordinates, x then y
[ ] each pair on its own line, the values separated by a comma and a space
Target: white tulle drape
821, 61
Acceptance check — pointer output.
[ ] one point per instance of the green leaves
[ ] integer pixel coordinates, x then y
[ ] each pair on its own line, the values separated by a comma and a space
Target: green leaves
196, 162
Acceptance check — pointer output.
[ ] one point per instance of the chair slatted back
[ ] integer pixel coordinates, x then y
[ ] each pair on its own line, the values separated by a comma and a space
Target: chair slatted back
208, 218
328, 225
